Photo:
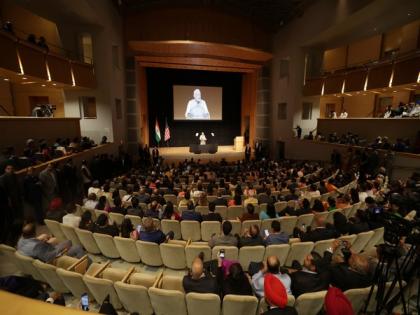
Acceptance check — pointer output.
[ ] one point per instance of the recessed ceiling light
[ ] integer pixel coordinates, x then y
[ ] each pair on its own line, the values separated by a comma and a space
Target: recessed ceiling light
43, 85
364, 93
24, 78
383, 89
408, 14
6, 79
394, 91
54, 84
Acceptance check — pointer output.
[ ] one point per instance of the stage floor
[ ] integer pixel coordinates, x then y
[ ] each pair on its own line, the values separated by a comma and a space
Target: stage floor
178, 154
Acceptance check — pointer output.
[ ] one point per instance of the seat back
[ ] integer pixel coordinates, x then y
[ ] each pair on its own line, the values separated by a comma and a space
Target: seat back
101, 288
310, 303
358, 298
280, 205
135, 219
203, 304
166, 302
118, 218
7, 254
26, 265
248, 223
324, 216
349, 238
190, 230
73, 281
321, 246
208, 228
330, 217
236, 227
70, 234
173, 256
127, 249
306, 219
266, 224
192, 251
250, 253
149, 253
234, 212
106, 245
298, 251
377, 238
87, 240
361, 241
172, 283
239, 304
99, 212
171, 225
49, 273
54, 228
203, 210
279, 250
263, 306
231, 252
287, 224
170, 197
134, 298
222, 210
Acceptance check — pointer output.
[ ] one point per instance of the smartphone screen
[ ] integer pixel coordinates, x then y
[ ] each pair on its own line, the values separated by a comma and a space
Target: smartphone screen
222, 253
85, 302
266, 232
138, 228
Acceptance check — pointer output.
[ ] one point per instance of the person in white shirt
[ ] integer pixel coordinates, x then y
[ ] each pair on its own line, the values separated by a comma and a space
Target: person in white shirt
71, 219
312, 192
95, 189
344, 114
90, 202
197, 107
203, 139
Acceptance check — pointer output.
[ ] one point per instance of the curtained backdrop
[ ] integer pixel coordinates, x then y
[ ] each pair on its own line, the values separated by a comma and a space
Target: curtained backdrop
160, 101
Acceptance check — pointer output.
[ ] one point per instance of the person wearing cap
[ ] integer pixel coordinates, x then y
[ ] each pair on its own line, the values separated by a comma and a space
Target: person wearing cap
336, 303
276, 297
270, 266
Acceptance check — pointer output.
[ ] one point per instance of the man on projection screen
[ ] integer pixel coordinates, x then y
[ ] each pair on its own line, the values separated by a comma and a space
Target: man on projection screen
197, 107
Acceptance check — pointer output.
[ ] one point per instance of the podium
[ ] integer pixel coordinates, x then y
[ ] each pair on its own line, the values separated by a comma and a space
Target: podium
238, 143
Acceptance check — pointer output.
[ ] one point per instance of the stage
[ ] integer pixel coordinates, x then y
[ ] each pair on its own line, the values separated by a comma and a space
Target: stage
178, 154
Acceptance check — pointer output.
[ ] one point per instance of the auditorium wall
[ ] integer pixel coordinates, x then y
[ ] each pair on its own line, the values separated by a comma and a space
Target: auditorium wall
6, 99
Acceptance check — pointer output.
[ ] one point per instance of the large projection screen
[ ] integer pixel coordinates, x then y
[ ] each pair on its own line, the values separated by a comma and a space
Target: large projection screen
197, 102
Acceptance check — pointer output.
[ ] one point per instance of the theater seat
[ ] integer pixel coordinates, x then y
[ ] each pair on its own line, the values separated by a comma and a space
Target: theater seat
54, 228
87, 240
377, 238
149, 253
135, 220
127, 249
248, 223
26, 266
305, 219
298, 251
321, 246
70, 234
173, 256
222, 210
234, 212
236, 227
279, 250
249, 254
191, 230
118, 218
192, 251
167, 302
106, 245
361, 241
171, 225
134, 298
358, 298
239, 304
203, 304
231, 252
287, 224
172, 283
208, 228
310, 303
263, 306
49, 273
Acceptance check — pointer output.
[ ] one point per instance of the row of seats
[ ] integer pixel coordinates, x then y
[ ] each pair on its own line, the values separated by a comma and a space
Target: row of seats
178, 254
156, 293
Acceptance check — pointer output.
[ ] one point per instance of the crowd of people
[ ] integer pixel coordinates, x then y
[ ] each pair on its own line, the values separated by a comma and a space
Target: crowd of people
408, 110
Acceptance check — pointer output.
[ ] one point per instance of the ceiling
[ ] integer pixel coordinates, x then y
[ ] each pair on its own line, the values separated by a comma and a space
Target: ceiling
270, 15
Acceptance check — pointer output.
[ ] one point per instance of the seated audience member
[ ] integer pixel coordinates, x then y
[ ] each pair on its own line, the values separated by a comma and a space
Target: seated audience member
157, 196
128, 230
266, 197
70, 218
322, 188
236, 201
236, 281
55, 210
40, 247
331, 204
135, 209
128, 196
340, 223
149, 232
318, 206
251, 237
143, 197
276, 297
336, 303
86, 222
102, 226
199, 191
118, 208
311, 278
184, 201
270, 266
358, 223
220, 201
169, 213
269, 213
250, 214
95, 189
292, 195
313, 192
190, 214
90, 202
197, 280
319, 233
250, 201
154, 210
226, 238
343, 201
212, 215
276, 236
330, 185
102, 204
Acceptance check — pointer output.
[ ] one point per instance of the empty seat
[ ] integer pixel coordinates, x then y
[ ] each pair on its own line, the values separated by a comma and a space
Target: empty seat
361, 241
203, 304
149, 253
167, 302
171, 225
310, 303
250, 253
72, 277
87, 240
106, 244
321, 246
190, 230
192, 251
55, 230
26, 266
118, 218
127, 249
239, 304
305, 219
172, 283
231, 252
70, 234
287, 224
49, 273
208, 228
298, 251
173, 256
279, 250
234, 212
248, 223
136, 220
134, 297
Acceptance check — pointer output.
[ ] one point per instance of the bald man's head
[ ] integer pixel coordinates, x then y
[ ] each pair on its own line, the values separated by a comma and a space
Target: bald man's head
197, 268
273, 264
28, 230
319, 220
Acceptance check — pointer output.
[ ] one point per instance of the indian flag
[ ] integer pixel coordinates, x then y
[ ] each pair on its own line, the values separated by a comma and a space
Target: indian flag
157, 131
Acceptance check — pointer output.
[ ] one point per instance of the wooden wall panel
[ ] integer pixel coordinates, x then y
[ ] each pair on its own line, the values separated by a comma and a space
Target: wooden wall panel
313, 87
33, 60
83, 75
406, 71
335, 59
249, 104
378, 77
355, 81
364, 51
144, 106
8, 59
333, 84
60, 69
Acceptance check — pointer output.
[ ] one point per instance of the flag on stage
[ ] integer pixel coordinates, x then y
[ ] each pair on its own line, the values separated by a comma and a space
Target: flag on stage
157, 132
167, 131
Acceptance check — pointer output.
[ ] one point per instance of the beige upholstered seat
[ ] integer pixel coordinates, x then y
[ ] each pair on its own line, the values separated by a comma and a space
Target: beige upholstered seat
192, 251
92, 211
171, 198
27, 267
361, 241
298, 251
292, 204
171, 225
234, 212
135, 219
70, 234
310, 303
172, 283
106, 244
263, 307
190, 230
173, 256
321, 246
99, 212
73, 281
377, 238
149, 253
236, 227
203, 304
349, 238
330, 217
203, 210
347, 211
222, 210
305, 219
144, 279
231, 252
118, 218
127, 249
280, 205
279, 250
248, 254
55, 230
134, 297
266, 224
248, 223
208, 228
7, 254
49, 273
323, 215
87, 240
167, 302
239, 304
287, 224
358, 298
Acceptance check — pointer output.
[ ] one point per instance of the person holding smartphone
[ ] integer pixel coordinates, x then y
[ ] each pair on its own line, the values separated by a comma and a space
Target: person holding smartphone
276, 236
198, 280
251, 237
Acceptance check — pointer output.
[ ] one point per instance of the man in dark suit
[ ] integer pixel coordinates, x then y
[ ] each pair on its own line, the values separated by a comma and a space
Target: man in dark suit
155, 155
309, 278
49, 183
212, 216
220, 201
199, 281
320, 232
190, 213
248, 152
266, 197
